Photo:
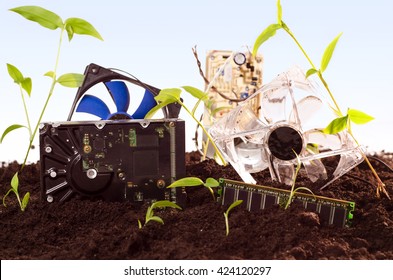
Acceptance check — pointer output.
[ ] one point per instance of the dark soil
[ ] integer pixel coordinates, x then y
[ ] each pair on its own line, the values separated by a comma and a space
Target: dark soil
84, 229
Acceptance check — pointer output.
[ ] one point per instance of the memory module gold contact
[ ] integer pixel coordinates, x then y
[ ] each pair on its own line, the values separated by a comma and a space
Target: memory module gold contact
256, 197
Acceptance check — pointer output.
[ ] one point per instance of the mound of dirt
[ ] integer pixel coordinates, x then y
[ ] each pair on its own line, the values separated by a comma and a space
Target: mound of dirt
85, 229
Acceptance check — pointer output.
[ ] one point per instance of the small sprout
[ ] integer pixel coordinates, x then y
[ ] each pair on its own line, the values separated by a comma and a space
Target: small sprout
150, 211
293, 190
195, 181
14, 189
226, 214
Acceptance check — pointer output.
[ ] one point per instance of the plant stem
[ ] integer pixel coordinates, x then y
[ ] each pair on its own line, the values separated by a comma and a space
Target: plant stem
52, 87
26, 111
381, 185
286, 28
205, 131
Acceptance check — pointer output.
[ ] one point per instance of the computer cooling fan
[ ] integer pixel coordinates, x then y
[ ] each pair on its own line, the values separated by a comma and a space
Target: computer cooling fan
279, 137
121, 96
118, 90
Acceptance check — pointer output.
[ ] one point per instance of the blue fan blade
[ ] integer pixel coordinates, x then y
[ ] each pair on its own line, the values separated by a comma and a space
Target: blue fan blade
93, 105
148, 102
120, 94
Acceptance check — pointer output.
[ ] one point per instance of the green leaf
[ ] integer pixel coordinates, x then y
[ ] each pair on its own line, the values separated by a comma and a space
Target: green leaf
304, 189
337, 125
311, 71
70, 32
82, 27
171, 95
197, 93
155, 109
279, 12
359, 117
165, 203
139, 224
25, 201
9, 129
186, 182
15, 182
5, 196
15, 74
329, 52
211, 183
233, 205
149, 213
165, 97
27, 85
269, 32
72, 80
156, 219
312, 148
40, 15
50, 74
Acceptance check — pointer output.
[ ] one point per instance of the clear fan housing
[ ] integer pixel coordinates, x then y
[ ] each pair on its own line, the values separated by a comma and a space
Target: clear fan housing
283, 133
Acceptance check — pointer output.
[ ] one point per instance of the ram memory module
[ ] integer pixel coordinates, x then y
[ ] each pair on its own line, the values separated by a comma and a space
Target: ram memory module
256, 197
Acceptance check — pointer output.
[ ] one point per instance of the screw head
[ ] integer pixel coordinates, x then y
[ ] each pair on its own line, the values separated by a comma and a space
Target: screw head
91, 173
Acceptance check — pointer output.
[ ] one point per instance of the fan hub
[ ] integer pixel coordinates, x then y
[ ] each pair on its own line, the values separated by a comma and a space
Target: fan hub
285, 142
119, 116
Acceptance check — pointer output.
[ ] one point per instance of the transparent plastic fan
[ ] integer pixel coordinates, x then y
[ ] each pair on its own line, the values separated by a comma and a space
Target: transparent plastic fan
280, 135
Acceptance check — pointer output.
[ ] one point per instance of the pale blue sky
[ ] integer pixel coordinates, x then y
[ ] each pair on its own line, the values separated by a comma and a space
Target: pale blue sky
153, 41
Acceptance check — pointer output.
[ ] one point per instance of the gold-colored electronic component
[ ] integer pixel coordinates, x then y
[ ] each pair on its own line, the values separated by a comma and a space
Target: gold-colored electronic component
87, 149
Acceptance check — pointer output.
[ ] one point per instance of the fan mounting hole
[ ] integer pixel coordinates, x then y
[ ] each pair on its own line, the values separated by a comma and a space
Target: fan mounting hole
285, 143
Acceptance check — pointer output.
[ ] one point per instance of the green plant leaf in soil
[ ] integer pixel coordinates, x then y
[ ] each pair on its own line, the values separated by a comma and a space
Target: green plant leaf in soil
195, 181
226, 214
158, 204
293, 189
15, 189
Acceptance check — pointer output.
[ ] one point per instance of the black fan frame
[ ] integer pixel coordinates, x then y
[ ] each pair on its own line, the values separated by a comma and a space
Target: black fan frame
95, 74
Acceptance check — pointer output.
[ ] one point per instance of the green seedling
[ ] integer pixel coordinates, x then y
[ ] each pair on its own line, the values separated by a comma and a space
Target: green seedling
343, 121
195, 181
51, 21
150, 211
14, 188
293, 189
226, 214
172, 95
